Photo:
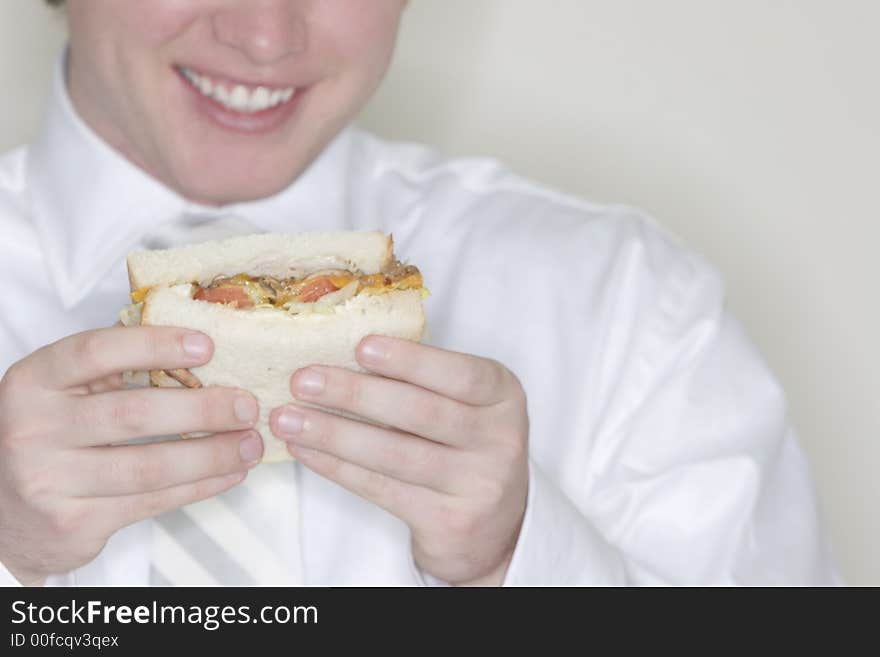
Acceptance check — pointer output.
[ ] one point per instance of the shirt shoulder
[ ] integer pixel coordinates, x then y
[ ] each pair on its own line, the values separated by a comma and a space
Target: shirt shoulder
478, 211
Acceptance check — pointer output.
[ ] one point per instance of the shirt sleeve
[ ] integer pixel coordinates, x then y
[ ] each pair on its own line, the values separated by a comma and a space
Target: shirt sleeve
557, 545
692, 473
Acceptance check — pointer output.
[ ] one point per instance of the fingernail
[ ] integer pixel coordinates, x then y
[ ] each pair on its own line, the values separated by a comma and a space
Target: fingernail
196, 345
310, 382
375, 350
245, 408
290, 422
251, 448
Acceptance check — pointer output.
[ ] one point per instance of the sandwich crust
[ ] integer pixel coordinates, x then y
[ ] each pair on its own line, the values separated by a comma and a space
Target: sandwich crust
282, 256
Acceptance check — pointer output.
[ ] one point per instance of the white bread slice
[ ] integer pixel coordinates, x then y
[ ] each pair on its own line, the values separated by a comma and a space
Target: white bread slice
259, 349
272, 254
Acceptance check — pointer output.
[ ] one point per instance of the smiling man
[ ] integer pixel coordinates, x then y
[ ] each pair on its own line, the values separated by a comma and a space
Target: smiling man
588, 412
226, 102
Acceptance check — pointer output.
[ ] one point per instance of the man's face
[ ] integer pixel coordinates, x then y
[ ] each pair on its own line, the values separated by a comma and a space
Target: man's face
226, 100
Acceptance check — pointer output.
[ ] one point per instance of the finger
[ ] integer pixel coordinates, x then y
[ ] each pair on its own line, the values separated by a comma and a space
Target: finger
110, 382
85, 357
124, 510
463, 377
403, 456
402, 405
406, 501
118, 416
104, 384
129, 469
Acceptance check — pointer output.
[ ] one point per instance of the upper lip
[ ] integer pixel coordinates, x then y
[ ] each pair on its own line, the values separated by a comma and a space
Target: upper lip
233, 80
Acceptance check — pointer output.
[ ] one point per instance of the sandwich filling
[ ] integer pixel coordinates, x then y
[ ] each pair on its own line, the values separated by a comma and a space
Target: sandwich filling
317, 291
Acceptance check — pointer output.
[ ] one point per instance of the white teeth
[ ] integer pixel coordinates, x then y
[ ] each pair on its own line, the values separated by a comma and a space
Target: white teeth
240, 98
259, 99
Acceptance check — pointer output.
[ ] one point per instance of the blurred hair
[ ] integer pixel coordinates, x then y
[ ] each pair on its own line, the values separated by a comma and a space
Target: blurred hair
55, 3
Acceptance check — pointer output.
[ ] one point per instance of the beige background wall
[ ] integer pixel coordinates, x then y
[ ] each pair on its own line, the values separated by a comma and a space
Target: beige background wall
750, 128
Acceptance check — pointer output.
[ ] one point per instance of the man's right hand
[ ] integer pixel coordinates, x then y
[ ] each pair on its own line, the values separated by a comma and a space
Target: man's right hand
66, 486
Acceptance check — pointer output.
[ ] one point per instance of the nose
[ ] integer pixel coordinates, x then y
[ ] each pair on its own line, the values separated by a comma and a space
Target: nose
265, 31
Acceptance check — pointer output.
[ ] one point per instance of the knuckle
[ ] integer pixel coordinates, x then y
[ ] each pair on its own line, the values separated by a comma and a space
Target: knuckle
412, 456
152, 345
200, 490
322, 433
204, 489
507, 423
457, 520
490, 492
475, 380
469, 422
424, 456
221, 455
466, 524
376, 487
89, 349
513, 451
28, 435
35, 485
86, 413
479, 379
352, 391
145, 473
331, 465
146, 506
212, 407
450, 418
15, 440
129, 412
17, 476
395, 455
432, 413
16, 377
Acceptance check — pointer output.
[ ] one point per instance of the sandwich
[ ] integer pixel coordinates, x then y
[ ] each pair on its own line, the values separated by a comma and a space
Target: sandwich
274, 303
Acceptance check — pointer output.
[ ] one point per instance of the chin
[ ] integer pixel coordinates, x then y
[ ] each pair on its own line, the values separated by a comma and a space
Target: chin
227, 186
221, 169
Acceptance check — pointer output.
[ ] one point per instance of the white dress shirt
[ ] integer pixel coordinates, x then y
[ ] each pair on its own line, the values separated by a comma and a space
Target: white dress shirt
660, 448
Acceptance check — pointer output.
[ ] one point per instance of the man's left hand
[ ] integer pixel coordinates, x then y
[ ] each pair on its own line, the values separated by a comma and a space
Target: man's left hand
450, 459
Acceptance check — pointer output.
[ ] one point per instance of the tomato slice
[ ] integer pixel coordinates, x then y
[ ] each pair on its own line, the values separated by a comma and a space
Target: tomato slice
316, 288
233, 295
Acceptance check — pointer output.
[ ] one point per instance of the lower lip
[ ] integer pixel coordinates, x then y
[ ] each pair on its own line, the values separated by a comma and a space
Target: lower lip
255, 123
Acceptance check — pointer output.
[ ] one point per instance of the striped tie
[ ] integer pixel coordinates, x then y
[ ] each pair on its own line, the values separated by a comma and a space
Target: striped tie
248, 535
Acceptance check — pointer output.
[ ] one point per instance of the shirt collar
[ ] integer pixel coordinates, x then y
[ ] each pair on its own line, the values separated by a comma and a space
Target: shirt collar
91, 205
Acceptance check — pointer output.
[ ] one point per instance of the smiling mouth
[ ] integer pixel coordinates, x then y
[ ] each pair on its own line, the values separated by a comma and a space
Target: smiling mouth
238, 97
